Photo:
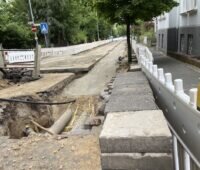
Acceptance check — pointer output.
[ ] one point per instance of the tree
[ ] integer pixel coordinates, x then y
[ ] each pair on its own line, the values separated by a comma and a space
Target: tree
13, 33
70, 22
129, 11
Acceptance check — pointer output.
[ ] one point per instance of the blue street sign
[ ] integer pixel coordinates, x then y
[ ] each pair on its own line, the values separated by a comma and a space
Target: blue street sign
44, 28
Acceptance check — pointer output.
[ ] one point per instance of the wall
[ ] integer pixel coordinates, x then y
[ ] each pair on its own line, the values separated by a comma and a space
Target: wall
168, 27
182, 21
189, 14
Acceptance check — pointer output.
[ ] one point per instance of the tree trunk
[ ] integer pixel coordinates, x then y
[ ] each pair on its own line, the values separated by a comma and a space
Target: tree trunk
128, 35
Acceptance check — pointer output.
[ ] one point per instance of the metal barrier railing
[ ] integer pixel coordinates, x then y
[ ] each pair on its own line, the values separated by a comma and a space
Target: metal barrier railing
71, 50
26, 58
179, 108
75, 49
18, 56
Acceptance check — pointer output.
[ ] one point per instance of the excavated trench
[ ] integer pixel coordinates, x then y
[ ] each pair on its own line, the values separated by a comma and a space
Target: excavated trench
17, 114
16, 118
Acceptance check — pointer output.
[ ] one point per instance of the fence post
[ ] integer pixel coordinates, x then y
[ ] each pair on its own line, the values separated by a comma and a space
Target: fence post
2, 61
175, 148
36, 72
186, 161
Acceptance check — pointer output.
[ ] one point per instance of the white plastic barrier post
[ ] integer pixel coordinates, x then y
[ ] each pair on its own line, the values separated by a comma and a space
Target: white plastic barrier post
186, 107
155, 70
161, 75
193, 97
178, 83
168, 81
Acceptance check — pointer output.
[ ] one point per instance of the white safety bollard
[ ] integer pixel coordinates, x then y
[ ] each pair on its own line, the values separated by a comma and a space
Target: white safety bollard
150, 66
193, 97
155, 70
178, 83
161, 77
168, 81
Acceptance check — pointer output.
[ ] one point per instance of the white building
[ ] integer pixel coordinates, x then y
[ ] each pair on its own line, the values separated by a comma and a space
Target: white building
179, 30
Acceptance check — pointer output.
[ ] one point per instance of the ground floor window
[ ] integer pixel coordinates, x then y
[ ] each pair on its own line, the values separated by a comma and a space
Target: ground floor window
189, 44
182, 39
159, 41
162, 45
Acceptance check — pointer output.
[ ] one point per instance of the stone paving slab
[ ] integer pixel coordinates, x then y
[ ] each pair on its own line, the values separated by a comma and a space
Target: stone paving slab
136, 161
70, 68
130, 78
131, 92
130, 102
135, 132
48, 83
134, 89
134, 68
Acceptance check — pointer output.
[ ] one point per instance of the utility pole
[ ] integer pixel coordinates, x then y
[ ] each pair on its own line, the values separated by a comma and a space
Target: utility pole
36, 72
33, 21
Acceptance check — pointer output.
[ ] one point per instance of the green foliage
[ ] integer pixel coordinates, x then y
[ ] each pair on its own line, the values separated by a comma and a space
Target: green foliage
122, 10
129, 11
119, 30
13, 33
70, 22
144, 29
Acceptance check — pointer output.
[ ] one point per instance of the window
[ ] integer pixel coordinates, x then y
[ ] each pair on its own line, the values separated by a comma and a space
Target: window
195, 3
185, 5
159, 41
182, 39
189, 44
162, 45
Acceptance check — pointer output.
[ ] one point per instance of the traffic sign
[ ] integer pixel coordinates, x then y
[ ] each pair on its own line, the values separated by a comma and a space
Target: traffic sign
44, 28
34, 28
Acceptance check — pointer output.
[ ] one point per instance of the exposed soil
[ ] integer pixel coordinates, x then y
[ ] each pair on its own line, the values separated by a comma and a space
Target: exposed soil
15, 117
5, 84
45, 152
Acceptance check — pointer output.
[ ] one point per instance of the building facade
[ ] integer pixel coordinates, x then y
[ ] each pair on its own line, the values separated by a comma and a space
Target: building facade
179, 30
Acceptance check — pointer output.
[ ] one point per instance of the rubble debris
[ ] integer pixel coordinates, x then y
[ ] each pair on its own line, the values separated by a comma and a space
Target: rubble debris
92, 121
18, 75
101, 108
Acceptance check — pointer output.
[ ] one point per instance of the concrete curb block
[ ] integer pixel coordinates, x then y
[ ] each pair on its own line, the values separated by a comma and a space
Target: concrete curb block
136, 161
135, 132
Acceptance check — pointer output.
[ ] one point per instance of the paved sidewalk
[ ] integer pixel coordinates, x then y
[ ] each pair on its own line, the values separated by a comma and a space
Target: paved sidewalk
95, 81
82, 62
48, 83
135, 134
131, 93
190, 74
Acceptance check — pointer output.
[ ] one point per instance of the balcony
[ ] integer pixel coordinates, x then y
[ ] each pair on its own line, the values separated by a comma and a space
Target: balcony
189, 11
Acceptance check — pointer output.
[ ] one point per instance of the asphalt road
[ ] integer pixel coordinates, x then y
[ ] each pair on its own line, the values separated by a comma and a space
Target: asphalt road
179, 70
